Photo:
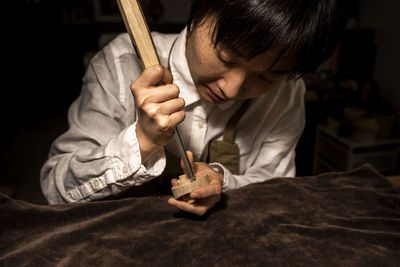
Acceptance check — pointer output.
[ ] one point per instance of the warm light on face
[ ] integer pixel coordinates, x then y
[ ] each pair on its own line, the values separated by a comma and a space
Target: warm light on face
220, 75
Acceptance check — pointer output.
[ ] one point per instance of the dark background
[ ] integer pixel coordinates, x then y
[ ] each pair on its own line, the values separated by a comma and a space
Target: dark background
47, 45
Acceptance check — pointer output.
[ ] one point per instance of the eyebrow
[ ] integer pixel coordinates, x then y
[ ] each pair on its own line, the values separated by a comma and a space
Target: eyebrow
269, 70
278, 71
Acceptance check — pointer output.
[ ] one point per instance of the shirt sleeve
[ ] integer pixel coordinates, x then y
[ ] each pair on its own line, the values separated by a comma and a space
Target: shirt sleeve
276, 156
99, 155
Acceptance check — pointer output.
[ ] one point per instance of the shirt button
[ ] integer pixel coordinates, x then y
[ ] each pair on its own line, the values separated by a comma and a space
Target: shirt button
96, 183
124, 169
200, 124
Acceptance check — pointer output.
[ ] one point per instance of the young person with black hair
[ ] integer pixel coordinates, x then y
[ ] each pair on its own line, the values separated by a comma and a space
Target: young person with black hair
231, 81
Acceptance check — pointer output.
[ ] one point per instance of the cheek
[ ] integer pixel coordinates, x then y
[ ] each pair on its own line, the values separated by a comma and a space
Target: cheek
207, 69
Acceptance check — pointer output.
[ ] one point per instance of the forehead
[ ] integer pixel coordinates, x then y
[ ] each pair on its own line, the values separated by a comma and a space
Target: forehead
275, 59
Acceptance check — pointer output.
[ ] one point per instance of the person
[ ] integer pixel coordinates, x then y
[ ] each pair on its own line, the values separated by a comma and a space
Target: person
231, 81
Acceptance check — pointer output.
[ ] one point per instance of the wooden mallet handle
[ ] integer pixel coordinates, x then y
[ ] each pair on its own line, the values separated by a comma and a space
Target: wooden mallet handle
139, 32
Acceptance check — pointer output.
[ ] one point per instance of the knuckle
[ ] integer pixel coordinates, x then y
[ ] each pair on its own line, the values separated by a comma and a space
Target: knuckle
157, 69
174, 89
141, 101
182, 102
134, 86
153, 111
163, 123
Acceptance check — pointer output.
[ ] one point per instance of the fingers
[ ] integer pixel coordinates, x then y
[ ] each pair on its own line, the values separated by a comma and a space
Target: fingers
159, 107
202, 169
154, 75
174, 182
214, 188
206, 196
160, 94
172, 106
166, 123
200, 207
154, 86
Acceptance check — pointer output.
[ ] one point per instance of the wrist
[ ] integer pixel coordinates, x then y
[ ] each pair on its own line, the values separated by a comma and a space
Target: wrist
219, 170
147, 147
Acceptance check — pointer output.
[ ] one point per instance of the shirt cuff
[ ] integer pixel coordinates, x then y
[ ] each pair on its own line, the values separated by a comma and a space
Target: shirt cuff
128, 151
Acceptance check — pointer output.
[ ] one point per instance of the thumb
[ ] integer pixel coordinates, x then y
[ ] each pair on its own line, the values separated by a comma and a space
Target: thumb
191, 160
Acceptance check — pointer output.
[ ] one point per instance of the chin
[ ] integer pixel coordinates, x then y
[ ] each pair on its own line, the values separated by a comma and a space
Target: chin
207, 98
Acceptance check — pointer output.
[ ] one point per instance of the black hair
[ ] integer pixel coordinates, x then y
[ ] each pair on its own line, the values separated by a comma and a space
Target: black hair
306, 31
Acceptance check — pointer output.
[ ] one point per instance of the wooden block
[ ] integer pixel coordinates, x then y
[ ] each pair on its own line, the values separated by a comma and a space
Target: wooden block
184, 187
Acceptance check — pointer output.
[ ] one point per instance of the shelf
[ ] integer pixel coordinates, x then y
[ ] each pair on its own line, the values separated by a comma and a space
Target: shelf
340, 154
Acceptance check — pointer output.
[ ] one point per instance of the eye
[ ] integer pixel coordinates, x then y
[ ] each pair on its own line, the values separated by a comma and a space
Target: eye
262, 77
270, 78
222, 59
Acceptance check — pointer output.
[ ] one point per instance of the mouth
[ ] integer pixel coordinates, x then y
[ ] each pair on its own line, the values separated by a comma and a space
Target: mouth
217, 97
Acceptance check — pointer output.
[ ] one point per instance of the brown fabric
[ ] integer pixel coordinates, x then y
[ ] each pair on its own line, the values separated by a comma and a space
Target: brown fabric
335, 219
226, 151
229, 133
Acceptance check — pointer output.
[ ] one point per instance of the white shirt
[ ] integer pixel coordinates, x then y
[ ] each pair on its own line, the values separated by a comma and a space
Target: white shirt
99, 154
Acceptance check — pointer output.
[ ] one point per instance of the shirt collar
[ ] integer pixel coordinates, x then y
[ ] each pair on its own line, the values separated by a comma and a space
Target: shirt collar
180, 70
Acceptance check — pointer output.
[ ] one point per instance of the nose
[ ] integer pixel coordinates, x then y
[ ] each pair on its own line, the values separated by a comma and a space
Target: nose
232, 81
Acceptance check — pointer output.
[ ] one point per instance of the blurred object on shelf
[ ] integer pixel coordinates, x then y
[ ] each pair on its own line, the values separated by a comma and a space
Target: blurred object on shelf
336, 153
333, 124
361, 126
364, 129
352, 113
